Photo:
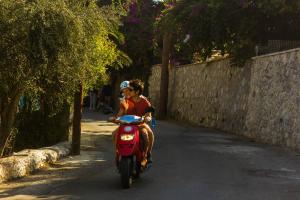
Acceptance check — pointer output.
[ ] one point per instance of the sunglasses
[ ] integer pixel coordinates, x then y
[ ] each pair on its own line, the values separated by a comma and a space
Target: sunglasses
130, 89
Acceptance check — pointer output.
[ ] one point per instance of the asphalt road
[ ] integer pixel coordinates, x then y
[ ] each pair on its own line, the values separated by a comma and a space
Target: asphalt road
189, 163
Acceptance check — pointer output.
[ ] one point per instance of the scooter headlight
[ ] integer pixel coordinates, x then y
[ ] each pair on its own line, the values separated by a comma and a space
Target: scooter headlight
127, 129
127, 137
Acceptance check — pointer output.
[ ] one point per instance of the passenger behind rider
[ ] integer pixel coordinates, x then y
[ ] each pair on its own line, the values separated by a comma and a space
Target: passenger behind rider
125, 93
135, 103
139, 108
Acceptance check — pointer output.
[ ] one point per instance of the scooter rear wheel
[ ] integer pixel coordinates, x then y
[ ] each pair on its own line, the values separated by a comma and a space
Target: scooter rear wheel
126, 172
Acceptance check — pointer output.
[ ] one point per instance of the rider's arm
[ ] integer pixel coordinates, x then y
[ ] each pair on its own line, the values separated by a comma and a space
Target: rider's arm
147, 104
121, 112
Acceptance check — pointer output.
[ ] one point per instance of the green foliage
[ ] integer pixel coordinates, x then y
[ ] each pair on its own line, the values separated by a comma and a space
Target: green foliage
138, 28
49, 47
39, 130
54, 45
231, 27
101, 35
14, 65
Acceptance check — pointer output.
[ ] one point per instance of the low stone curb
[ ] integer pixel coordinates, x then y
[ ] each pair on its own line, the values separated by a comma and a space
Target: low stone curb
28, 160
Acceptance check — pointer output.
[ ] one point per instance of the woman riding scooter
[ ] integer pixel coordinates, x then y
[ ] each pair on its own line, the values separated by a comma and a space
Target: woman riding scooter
139, 108
135, 103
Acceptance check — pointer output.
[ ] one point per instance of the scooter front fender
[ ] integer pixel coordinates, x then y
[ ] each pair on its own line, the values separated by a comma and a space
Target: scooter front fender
128, 148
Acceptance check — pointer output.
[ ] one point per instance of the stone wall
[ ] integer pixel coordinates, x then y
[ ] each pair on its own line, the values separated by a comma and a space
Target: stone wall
212, 95
260, 100
154, 85
26, 161
274, 99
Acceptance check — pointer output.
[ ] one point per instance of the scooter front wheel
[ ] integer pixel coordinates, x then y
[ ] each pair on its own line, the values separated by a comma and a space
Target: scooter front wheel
126, 172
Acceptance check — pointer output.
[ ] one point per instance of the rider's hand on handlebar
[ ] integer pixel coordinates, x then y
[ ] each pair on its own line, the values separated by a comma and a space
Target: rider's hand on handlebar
112, 119
124, 104
147, 119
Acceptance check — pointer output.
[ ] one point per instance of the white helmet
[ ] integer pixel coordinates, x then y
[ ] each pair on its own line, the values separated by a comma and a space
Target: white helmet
124, 84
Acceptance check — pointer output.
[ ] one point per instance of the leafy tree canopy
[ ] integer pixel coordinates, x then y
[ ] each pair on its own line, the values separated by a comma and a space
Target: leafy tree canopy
49, 47
138, 28
231, 26
54, 45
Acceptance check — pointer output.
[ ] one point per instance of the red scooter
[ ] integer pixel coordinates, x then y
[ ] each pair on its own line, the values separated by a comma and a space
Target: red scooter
130, 145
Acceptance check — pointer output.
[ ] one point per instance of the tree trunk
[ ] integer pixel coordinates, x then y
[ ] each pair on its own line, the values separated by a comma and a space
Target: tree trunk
76, 135
164, 85
8, 114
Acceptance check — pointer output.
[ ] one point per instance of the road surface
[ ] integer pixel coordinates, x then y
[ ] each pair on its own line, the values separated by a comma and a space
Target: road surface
189, 163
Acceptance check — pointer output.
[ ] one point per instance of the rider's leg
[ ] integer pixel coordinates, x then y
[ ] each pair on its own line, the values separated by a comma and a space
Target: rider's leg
114, 140
114, 133
145, 139
151, 138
